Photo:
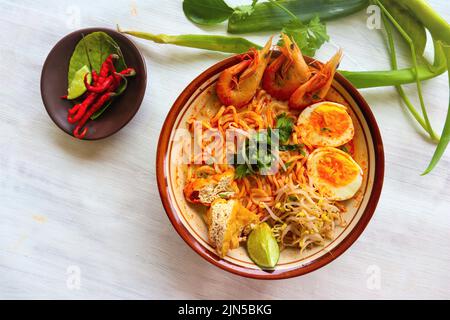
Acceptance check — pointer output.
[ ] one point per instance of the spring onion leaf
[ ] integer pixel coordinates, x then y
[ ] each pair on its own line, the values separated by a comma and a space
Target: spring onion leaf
410, 24
399, 88
445, 136
266, 16
207, 42
415, 64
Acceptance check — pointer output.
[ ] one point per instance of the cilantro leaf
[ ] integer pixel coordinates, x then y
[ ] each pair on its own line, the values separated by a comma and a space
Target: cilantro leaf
293, 147
285, 125
309, 37
245, 10
241, 171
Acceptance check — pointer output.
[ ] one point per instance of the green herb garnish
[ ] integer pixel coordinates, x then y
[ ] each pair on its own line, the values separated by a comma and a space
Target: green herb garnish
344, 148
241, 171
309, 37
285, 125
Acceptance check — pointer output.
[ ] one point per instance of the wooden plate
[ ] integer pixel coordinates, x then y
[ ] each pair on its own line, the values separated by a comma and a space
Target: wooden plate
188, 221
54, 85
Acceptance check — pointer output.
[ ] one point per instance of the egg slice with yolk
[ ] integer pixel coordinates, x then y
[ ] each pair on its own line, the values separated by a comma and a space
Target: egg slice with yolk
325, 124
334, 173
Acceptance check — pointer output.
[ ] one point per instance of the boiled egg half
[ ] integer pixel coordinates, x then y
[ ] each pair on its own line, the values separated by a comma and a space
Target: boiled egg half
325, 124
334, 173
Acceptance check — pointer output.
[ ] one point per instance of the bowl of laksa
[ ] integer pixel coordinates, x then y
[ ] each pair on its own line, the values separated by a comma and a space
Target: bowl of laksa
270, 164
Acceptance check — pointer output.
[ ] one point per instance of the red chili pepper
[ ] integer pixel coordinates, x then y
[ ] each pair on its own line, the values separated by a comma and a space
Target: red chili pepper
79, 111
95, 107
108, 65
75, 108
94, 77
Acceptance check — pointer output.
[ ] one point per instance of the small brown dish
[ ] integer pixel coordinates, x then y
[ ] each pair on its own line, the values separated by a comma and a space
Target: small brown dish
54, 85
189, 224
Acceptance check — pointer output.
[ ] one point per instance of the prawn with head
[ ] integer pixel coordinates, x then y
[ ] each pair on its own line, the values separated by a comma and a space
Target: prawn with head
287, 72
238, 84
316, 88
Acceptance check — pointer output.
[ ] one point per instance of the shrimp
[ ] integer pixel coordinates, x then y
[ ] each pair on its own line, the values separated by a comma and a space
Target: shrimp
316, 88
238, 84
287, 72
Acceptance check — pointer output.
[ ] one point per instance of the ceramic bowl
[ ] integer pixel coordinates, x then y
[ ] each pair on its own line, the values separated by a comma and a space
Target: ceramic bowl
188, 220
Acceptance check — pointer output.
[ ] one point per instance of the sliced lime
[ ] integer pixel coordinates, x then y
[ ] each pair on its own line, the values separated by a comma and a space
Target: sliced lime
76, 86
262, 247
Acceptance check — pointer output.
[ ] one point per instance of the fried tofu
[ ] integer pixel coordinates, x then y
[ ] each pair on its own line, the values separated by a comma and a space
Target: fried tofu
226, 219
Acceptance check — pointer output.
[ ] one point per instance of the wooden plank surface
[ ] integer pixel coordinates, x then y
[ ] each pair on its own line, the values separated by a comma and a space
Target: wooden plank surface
91, 209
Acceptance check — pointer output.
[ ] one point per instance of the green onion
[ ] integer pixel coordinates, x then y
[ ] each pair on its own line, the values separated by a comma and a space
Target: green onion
408, 39
267, 16
371, 79
399, 88
445, 136
207, 42
440, 31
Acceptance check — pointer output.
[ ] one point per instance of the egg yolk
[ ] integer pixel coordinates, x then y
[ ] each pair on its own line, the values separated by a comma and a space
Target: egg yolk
336, 169
330, 120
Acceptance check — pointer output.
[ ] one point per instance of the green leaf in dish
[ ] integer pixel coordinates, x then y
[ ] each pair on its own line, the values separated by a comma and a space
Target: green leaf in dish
92, 50
262, 247
206, 12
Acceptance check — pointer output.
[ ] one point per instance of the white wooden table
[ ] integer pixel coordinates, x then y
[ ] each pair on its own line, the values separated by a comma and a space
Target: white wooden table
84, 219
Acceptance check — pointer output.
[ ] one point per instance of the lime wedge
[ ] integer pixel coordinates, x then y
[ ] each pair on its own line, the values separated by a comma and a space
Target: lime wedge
76, 86
262, 247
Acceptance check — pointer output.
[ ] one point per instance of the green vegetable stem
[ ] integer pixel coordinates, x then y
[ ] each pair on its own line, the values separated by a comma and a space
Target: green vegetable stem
301, 20
266, 16
207, 42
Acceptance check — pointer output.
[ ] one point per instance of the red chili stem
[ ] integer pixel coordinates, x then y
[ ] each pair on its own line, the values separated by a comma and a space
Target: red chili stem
108, 65
128, 72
